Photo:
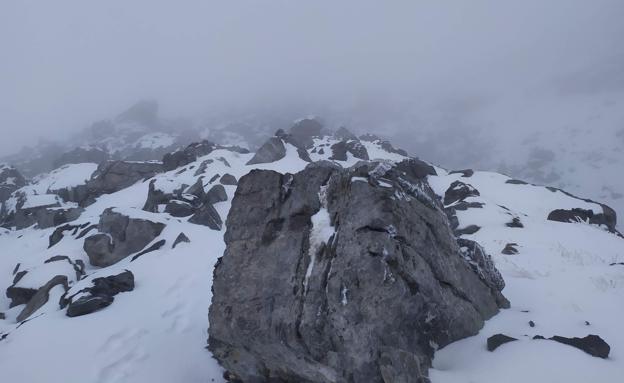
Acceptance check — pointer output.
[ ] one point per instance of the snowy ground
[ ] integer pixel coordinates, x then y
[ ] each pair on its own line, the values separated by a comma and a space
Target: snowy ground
158, 332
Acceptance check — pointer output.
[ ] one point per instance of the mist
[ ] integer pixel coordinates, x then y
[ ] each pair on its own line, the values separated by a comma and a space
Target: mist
394, 68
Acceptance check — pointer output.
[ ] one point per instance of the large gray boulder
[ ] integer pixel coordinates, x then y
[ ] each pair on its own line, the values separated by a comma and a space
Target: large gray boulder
119, 237
272, 150
331, 275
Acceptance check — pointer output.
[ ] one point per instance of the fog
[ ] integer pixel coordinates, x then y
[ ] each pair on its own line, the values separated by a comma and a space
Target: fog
391, 66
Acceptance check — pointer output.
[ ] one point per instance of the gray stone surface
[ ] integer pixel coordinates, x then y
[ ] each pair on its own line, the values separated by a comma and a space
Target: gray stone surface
41, 297
120, 236
367, 302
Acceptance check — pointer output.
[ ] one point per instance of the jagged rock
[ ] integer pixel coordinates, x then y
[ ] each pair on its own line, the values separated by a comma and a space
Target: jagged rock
180, 239
576, 214
303, 132
88, 304
113, 284
591, 344
370, 137
187, 155
216, 194
416, 168
207, 215
344, 134
531, 323
155, 197
58, 233
466, 173
179, 209
100, 294
80, 156
310, 282
459, 191
498, 340
387, 146
228, 179
2, 316
510, 249
112, 176
272, 150
41, 297
197, 189
202, 167
121, 236
154, 247
482, 264
340, 150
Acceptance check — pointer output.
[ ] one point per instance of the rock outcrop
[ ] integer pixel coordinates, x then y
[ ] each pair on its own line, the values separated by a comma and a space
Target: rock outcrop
112, 176
334, 275
101, 294
10, 180
119, 237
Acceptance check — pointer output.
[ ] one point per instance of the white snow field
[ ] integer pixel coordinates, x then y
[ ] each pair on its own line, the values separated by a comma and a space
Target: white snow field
157, 333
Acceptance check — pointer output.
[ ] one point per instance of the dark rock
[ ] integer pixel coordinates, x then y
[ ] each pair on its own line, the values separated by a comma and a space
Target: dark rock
416, 168
197, 189
179, 239
202, 167
216, 194
101, 293
470, 229
58, 233
272, 150
340, 150
19, 295
587, 323
155, 197
481, 263
10, 180
228, 179
466, 173
531, 323
516, 182
344, 134
291, 304
154, 247
458, 191
2, 316
88, 304
616, 264
510, 249
387, 146
179, 208
41, 297
576, 215
321, 151
498, 340
113, 284
214, 178
591, 344
86, 231
463, 205
304, 131
121, 237
207, 216
189, 154
515, 222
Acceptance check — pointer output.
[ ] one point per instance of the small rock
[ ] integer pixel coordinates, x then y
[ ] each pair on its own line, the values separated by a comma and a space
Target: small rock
216, 194
41, 297
207, 216
466, 173
591, 344
154, 247
510, 249
88, 304
531, 323
228, 179
179, 208
181, 238
497, 340
515, 222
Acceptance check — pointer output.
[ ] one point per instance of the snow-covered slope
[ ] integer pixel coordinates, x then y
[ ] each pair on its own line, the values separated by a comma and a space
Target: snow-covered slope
560, 278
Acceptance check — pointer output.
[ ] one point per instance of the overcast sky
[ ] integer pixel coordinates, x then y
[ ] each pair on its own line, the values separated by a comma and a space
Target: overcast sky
65, 63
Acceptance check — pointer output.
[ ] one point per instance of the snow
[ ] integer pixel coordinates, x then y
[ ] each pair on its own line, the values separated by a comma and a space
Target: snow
157, 333
40, 200
155, 141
